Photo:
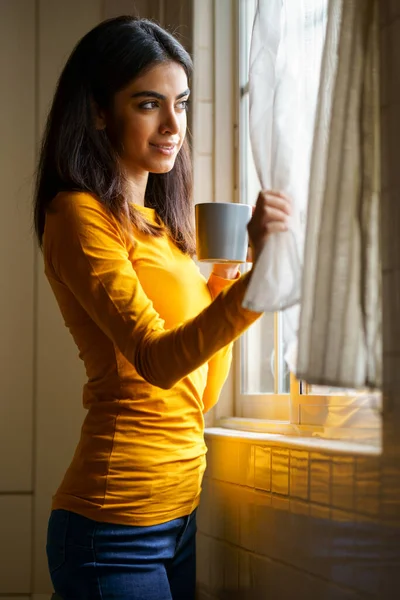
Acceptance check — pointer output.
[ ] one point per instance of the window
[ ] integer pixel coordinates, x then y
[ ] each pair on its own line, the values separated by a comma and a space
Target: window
268, 396
264, 379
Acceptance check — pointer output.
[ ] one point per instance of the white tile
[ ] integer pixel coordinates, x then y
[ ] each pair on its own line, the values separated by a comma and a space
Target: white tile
244, 571
344, 554
231, 570
203, 179
300, 525
299, 466
225, 458
283, 533
260, 577
217, 516
262, 468
204, 75
247, 519
264, 523
216, 558
225, 512
367, 486
231, 517
246, 464
203, 559
390, 487
343, 482
280, 471
203, 137
15, 547
319, 543
203, 23
320, 478
369, 544
284, 582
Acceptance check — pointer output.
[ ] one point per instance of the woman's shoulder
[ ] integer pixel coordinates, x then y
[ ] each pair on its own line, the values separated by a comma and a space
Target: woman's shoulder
75, 201
79, 214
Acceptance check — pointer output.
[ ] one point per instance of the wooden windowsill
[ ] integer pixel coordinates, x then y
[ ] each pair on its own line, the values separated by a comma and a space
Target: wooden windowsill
282, 433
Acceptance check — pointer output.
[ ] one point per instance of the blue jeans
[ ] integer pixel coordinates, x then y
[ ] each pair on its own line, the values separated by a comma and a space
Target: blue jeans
96, 561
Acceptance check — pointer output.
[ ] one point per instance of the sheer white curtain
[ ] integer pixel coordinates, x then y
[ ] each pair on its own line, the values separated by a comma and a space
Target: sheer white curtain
331, 170
283, 86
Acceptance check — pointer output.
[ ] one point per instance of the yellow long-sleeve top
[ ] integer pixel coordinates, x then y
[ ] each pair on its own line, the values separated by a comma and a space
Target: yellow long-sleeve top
157, 351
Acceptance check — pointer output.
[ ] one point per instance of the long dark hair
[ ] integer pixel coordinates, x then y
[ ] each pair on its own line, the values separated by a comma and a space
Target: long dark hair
76, 156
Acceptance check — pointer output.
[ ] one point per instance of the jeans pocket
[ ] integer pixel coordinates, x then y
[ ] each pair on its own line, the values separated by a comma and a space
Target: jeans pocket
56, 539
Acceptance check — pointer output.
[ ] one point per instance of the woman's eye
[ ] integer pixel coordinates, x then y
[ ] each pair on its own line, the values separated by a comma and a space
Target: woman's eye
149, 105
184, 105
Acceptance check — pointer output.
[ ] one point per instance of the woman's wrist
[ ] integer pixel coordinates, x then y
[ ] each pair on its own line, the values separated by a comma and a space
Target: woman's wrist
226, 270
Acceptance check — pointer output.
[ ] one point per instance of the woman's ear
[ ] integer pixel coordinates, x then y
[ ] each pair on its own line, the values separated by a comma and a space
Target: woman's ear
99, 116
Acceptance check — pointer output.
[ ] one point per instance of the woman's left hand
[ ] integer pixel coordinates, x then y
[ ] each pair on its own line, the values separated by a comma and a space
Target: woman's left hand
231, 270
226, 270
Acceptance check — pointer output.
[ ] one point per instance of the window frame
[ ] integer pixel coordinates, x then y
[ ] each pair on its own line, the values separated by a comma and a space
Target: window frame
262, 406
296, 412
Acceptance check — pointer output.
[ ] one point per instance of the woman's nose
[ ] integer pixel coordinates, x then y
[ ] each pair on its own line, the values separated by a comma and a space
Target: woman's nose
170, 123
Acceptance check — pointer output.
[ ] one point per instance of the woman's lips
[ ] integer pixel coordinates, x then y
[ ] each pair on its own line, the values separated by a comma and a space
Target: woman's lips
166, 149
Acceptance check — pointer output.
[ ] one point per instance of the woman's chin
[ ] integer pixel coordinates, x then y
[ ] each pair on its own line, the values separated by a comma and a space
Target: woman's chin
161, 168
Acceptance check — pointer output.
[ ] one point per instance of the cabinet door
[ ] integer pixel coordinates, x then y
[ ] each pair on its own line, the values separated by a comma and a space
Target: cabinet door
17, 147
16, 544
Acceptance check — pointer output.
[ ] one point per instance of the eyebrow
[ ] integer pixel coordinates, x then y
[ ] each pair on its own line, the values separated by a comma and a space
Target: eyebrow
151, 94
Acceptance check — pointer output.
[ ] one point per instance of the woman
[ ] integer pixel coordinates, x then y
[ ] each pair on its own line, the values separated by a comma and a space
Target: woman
114, 218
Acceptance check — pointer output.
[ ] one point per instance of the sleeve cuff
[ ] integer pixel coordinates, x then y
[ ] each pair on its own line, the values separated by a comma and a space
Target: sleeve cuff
216, 284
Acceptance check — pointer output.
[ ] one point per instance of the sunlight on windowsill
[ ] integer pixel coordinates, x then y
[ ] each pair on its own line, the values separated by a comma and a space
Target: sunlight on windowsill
283, 433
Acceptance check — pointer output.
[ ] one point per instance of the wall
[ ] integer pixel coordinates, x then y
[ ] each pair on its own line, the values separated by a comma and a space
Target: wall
279, 521
40, 407
283, 520
274, 520
213, 136
17, 126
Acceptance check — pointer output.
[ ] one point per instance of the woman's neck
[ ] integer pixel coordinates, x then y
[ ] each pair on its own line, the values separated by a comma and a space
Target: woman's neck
136, 188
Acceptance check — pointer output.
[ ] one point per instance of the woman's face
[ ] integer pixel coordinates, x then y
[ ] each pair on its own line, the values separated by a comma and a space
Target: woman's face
148, 119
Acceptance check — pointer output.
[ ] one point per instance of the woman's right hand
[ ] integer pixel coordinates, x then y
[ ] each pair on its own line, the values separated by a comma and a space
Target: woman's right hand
270, 215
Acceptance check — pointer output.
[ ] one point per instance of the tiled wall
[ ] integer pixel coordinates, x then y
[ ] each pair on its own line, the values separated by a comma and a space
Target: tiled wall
277, 522
41, 376
282, 523
203, 107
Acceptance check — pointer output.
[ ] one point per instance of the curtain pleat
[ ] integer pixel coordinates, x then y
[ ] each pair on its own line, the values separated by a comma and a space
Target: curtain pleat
314, 132
340, 319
